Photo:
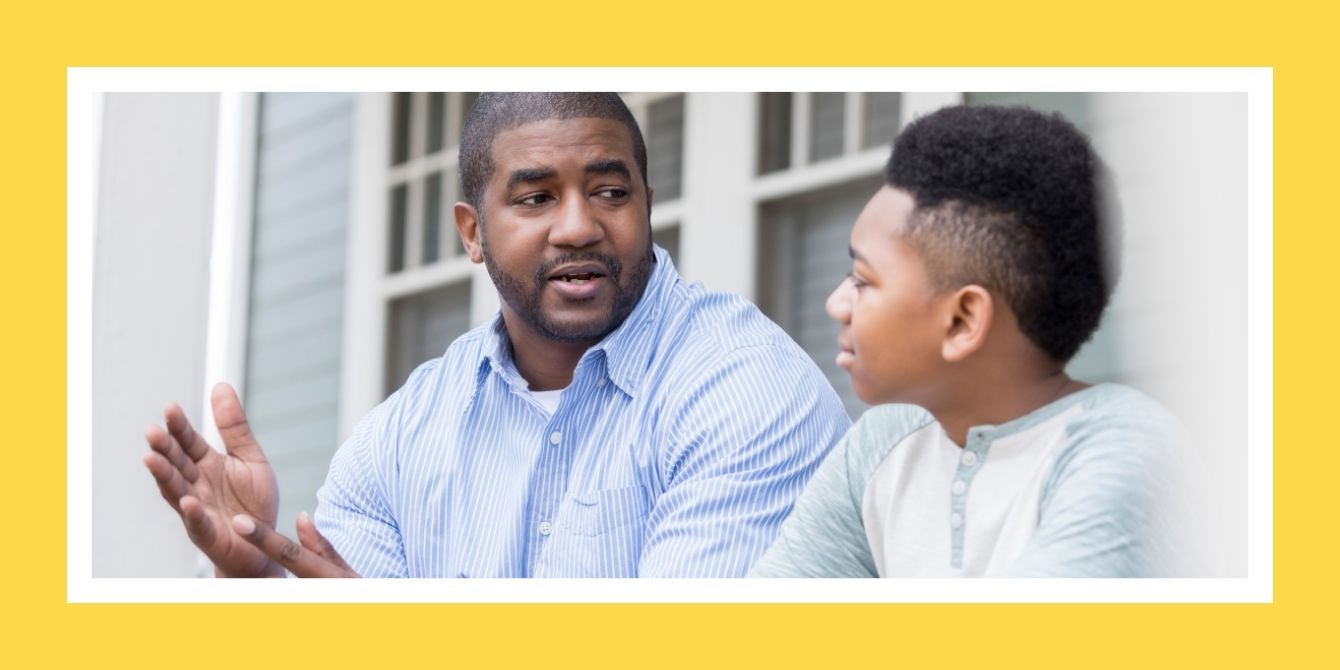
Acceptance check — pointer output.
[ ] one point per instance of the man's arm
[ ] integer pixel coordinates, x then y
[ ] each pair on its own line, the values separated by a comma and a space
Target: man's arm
744, 440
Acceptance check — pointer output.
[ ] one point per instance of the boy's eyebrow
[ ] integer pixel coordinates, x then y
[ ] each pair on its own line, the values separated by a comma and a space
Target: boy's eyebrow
856, 255
529, 175
609, 166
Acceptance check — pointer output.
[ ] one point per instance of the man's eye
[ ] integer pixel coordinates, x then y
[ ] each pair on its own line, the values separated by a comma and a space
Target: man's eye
612, 193
535, 199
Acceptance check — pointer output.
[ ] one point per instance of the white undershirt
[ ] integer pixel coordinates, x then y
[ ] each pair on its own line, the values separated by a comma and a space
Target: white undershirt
548, 399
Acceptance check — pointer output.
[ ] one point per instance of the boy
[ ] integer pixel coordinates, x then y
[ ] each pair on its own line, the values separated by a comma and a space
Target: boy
978, 271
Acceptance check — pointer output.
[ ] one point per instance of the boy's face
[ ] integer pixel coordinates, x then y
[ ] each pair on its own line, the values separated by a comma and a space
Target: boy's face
891, 332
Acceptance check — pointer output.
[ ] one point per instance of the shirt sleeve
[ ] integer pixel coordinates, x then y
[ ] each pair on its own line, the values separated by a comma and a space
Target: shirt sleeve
353, 508
1114, 505
825, 534
745, 438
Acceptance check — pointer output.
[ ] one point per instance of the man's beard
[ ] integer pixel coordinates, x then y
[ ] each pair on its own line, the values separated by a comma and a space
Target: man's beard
524, 297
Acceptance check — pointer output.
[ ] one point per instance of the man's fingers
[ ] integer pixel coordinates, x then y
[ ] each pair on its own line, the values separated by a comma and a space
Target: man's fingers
199, 526
184, 433
170, 482
161, 442
284, 551
233, 426
315, 542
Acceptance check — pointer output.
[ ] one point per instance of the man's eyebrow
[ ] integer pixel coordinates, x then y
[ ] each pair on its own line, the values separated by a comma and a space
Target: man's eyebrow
609, 166
529, 175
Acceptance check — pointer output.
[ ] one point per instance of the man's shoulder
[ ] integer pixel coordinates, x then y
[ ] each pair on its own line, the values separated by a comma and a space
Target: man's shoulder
719, 322
450, 370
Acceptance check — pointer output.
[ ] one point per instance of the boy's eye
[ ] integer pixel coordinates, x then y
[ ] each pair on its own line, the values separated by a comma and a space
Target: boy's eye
855, 281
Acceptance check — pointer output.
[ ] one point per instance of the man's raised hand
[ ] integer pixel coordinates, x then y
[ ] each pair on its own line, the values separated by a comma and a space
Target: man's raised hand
208, 488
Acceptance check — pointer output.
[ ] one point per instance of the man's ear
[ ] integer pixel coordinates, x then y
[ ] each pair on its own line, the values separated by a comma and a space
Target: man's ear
650, 193
970, 311
467, 224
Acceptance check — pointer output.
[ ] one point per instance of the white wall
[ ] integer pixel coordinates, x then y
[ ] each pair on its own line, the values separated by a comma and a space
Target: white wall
150, 294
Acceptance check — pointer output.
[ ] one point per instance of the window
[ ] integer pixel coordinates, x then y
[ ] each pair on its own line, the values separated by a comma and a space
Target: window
428, 273
806, 250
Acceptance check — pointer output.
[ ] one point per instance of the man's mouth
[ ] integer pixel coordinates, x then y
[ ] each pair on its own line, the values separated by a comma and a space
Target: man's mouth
577, 278
579, 281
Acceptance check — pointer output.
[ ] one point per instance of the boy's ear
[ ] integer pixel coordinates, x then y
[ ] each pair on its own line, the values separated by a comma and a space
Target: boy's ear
970, 311
467, 224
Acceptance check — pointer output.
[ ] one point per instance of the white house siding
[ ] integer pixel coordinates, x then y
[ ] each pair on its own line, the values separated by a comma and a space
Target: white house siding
297, 287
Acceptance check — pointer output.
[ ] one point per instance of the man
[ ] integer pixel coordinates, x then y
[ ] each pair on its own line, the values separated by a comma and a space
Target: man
613, 421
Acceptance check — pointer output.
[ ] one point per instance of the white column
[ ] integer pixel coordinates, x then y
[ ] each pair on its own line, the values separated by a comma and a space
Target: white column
150, 302
717, 245
363, 358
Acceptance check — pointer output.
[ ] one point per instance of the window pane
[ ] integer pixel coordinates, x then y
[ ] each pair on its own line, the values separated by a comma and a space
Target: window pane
774, 132
422, 326
451, 188
668, 239
826, 121
467, 101
665, 153
805, 240
1073, 106
882, 111
395, 261
437, 118
400, 127
432, 217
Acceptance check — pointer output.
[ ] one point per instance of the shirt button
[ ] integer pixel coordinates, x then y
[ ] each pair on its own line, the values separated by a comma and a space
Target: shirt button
555, 437
545, 528
959, 487
956, 520
601, 381
969, 458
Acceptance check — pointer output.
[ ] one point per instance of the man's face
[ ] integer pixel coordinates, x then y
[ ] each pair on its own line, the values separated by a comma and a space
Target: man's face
566, 232
892, 324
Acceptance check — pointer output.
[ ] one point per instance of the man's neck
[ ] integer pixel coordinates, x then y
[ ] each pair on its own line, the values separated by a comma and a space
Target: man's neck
544, 363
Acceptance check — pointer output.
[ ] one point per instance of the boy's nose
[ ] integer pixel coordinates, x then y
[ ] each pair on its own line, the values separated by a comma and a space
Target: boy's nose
839, 302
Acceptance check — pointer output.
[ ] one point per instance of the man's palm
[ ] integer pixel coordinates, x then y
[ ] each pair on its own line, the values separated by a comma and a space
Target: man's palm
207, 488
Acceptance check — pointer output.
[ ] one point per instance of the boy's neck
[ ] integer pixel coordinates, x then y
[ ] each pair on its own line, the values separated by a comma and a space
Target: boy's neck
995, 401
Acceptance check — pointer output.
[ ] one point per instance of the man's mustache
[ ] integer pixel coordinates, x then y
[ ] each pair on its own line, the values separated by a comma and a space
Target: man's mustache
613, 268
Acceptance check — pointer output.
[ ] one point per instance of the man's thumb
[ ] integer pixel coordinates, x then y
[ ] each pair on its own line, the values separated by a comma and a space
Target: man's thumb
233, 426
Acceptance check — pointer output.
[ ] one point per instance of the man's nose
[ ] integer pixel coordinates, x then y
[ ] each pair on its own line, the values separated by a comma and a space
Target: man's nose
576, 225
839, 302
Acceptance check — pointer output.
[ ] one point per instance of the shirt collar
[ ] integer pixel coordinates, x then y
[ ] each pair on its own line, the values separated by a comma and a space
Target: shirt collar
625, 351
990, 433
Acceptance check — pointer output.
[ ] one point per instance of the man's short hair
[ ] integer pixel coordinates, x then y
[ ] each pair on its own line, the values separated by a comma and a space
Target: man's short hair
493, 113
1015, 201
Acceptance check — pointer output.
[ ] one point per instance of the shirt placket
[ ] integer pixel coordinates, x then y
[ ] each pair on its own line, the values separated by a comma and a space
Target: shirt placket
551, 475
969, 464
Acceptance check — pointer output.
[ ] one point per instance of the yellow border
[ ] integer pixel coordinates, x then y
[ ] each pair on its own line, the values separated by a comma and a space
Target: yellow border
39, 43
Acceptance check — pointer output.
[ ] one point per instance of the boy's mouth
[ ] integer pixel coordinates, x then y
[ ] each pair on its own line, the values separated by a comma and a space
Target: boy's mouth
845, 357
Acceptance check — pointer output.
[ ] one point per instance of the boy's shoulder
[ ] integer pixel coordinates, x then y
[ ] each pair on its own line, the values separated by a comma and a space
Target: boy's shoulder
879, 430
1113, 412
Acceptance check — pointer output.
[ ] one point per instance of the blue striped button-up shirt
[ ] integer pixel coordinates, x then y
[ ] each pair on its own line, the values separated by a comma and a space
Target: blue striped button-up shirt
678, 449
